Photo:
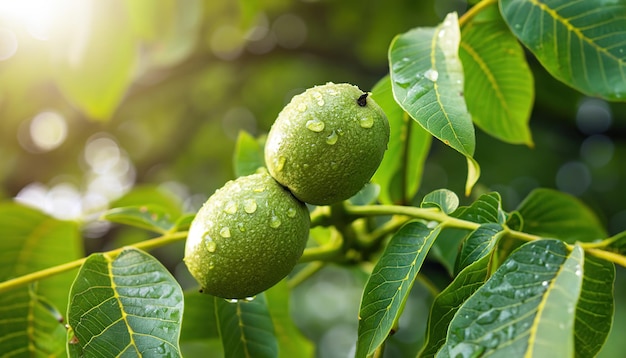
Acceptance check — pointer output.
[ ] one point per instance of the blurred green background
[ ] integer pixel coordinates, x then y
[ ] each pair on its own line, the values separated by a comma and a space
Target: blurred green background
99, 97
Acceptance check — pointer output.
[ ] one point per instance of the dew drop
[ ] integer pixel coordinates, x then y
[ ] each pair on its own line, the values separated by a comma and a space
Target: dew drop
250, 299
545, 283
488, 317
340, 131
259, 189
231, 300
366, 122
301, 107
280, 163
332, 138
231, 207
211, 265
225, 232
249, 206
334, 165
291, 212
315, 125
432, 75
211, 246
275, 222
241, 227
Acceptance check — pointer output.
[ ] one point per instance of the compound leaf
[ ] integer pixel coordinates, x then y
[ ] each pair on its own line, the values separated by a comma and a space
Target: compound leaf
129, 304
389, 285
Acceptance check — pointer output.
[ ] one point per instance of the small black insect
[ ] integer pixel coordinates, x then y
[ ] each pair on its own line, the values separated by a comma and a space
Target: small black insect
362, 101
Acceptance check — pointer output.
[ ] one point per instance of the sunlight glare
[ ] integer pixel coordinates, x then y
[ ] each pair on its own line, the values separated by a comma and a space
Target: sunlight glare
40, 18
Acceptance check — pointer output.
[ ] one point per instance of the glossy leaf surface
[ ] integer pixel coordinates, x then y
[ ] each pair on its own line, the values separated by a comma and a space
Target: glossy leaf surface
128, 305
427, 82
498, 83
391, 280
578, 41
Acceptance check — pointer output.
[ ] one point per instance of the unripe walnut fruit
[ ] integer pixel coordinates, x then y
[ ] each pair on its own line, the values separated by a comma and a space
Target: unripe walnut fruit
246, 237
327, 143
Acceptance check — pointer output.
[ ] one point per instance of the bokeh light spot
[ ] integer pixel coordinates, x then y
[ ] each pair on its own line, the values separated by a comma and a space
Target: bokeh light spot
48, 130
290, 31
8, 44
573, 178
227, 42
597, 150
239, 119
593, 116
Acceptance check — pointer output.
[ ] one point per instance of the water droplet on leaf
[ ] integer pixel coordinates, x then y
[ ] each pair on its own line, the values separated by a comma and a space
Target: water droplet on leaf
432, 75
291, 212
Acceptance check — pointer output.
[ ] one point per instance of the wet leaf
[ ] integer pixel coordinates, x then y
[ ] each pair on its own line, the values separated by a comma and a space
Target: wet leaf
389, 284
427, 82
524, 307
576, 41
129, 304
448, 302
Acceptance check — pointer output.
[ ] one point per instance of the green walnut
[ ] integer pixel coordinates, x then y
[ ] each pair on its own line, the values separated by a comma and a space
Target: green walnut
327, 143
246, 237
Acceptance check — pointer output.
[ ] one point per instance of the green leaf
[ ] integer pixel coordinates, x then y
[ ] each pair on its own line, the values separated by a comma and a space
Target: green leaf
499, 87
427, 82
479, 244
149, 217
579, 42
486, 209
29, 319
442, 199
448, 302
389, 285
248, 156
524, 307
151, 196
127, 305
400, 172
199, 330
95, 59
594, 313
246, 328
291, 342
550, 213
